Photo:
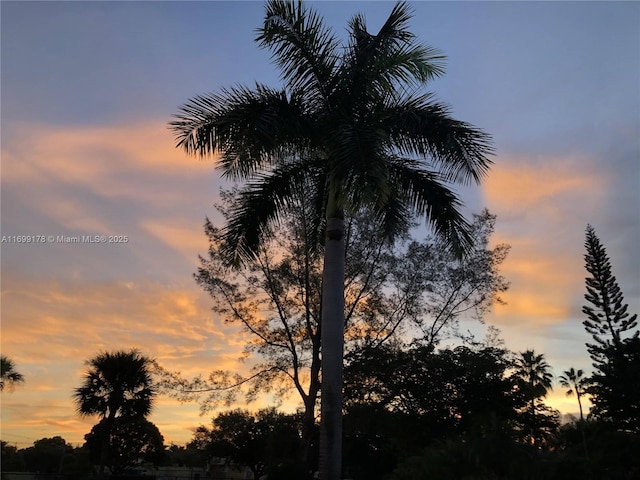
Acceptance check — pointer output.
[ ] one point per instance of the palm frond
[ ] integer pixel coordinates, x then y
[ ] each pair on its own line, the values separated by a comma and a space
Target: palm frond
117, 382
303, 48
350, 108
316, 196
418, 126
389, 61
393, 215
427, 193
8, 374
249, 127
258, 206
358, 165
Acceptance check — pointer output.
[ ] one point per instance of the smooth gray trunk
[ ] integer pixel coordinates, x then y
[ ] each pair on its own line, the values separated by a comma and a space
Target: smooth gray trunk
332, 341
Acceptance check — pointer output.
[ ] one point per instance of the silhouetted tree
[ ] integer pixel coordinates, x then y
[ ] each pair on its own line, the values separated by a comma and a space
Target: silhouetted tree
132, 440
608, 318
12, 460
462, 386
400, 401
394, 293
261, 442
117, 384
47, 455
9, 377
352, 129
615, 355
534, 380
576, 383
189, 455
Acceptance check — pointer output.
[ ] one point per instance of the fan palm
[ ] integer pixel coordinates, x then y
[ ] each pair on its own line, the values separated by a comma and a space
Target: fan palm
351, 127
9, 377
116, 384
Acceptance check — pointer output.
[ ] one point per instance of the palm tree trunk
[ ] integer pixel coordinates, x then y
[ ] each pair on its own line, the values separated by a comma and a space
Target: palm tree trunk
105, 443
579, 403
584, 438
332, 324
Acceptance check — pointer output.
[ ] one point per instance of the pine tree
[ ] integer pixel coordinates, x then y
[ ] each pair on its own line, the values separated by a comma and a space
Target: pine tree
614, 389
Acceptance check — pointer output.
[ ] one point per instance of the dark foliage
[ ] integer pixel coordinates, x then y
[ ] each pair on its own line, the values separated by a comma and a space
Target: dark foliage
265, 442
131, 441
458, 389
614, 389
393, 292
399, 401
48, 456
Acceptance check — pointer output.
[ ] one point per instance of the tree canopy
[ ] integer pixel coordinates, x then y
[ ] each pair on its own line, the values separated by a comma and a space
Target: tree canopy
353, 129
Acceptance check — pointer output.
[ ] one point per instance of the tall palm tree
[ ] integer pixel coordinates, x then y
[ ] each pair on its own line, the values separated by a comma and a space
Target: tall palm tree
117, 384
536, 379
9, 377
535, 372
353, 128
576, 383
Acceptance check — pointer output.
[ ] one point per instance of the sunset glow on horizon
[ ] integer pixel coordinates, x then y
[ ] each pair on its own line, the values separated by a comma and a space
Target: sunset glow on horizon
88, 89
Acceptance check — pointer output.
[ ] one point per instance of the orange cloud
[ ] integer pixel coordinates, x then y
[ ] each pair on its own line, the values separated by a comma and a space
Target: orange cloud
536, 202
105, 179
75, 175
89, 154
527, 185
62, 304
122, 311
179, 236
50, 327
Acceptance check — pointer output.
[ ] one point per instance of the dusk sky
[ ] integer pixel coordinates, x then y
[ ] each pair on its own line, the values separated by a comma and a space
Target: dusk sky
89, 87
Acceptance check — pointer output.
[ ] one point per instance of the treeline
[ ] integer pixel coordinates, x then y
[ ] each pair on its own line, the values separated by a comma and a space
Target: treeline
476, 411
412, 409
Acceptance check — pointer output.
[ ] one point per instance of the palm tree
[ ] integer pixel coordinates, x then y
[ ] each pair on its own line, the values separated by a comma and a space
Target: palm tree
9, 377
354, 130
576, 383
536, 380
117, 384
535, 372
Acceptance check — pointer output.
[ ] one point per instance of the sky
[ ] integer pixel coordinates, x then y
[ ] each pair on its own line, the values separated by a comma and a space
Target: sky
87, 90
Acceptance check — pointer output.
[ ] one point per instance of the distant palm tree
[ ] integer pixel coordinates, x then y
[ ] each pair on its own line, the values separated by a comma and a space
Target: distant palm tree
9, 377
116, 384
535, 371
354, 131
535, 381
576, 383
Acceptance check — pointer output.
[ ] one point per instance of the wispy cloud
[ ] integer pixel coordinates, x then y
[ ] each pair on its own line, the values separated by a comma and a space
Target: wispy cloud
542, 204
52, 327
64, 303
86, 179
